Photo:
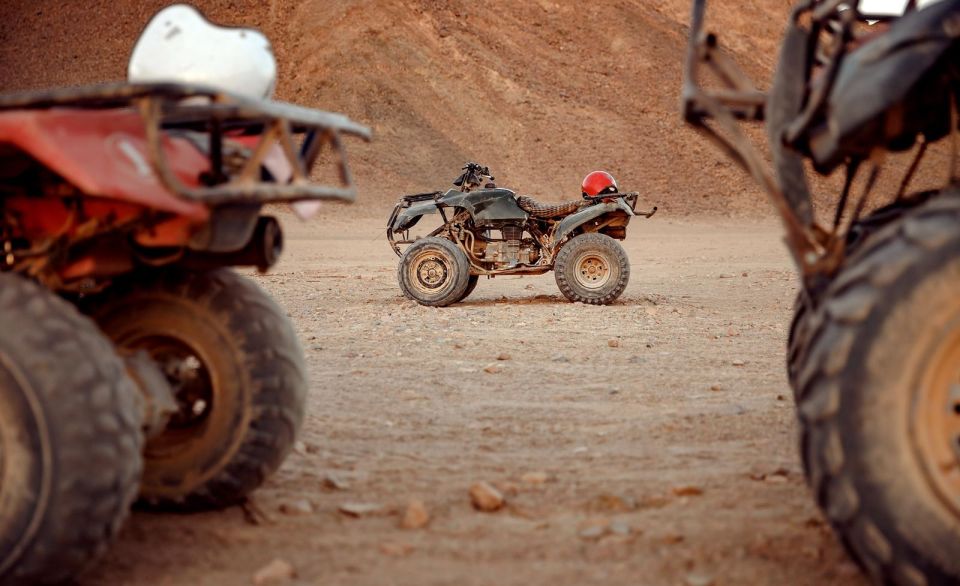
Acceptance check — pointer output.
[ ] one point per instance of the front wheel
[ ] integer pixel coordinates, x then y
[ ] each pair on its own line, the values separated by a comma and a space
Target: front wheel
434, 272
235, 366
70, 437
592, 268
879, 399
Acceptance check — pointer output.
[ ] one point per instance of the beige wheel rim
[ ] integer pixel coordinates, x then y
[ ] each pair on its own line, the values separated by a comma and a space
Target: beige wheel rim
592, 271
935, 418
430, 272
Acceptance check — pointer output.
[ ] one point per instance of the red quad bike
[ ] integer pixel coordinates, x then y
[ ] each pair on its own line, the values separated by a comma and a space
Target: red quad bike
132, 359
874, 350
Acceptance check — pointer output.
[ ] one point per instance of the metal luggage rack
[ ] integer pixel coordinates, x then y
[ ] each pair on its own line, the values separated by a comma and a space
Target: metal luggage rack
408, 200
217, 115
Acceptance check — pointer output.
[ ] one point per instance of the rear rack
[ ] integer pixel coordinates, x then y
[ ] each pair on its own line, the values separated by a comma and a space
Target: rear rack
408, 200
218, 114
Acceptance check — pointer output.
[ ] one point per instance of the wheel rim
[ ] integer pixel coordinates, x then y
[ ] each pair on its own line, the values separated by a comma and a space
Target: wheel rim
935, 418
592, 270
193, 390
430, 272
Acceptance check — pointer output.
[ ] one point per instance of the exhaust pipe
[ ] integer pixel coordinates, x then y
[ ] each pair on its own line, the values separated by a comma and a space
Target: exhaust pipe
261, 251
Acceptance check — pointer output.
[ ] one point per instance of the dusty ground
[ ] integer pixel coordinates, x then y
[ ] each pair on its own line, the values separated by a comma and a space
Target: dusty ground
693, 400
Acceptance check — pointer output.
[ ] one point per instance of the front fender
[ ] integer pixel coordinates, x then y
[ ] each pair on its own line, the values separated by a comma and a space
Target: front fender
573, 221
408, 217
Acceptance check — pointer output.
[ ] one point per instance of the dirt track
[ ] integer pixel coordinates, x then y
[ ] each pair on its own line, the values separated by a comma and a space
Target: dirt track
693, 399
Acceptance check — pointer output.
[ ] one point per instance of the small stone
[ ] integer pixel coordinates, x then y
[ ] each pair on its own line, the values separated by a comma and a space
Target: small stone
620, 527
503, 356
296, 508
673, 538
360, 509
781, 398
699, 579
776, 478
332, 481
485, 497
276, 572
493, 368
716, 388
725, 276
580, 450
396, 549
300, 448
559, 358
613, 343
687, 490
535, 478
595, 532
594, 528
744, 274
612, 503
416, 515
738, 363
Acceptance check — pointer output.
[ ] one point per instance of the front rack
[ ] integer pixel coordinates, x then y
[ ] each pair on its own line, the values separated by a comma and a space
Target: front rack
219, 115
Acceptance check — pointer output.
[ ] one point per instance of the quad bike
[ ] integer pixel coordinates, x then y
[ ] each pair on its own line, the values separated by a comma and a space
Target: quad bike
874, 349
491, 231
133, 360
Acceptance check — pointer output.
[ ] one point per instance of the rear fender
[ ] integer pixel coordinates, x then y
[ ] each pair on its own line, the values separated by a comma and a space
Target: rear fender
575, 220
104, 153
886, 91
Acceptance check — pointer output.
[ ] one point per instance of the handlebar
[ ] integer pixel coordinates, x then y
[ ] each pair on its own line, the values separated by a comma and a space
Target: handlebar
472, 176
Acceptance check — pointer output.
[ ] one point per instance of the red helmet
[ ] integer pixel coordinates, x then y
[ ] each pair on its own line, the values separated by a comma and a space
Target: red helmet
598, 183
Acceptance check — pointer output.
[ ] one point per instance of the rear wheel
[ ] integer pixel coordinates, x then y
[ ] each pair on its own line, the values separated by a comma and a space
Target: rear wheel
471, 285
236, 368
879, 399
70, 438
434, 271
592, 268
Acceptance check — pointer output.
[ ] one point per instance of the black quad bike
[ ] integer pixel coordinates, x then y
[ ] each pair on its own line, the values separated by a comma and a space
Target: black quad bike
874, 349
488, 230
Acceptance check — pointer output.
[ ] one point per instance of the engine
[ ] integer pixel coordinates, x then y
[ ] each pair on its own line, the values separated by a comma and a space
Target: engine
510, 250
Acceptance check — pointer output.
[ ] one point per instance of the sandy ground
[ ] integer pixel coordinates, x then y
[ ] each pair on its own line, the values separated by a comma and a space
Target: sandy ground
669, 459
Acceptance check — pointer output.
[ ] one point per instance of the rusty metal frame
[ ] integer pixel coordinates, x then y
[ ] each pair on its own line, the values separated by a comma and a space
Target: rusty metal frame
165, 107
716, 113
740, 101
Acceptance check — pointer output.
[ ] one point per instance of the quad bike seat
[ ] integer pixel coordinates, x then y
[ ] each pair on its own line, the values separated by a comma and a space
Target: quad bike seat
547, 210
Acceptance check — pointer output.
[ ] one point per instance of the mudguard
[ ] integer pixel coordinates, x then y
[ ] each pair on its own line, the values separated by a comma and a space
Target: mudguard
574, 220
891, 70
104, 153
407, 218
486, 206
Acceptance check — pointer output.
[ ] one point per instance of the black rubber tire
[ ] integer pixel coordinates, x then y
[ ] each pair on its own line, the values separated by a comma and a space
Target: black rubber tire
868, 344
70, 439
248, 351
601, 245
471, 285
453, 281
799, 333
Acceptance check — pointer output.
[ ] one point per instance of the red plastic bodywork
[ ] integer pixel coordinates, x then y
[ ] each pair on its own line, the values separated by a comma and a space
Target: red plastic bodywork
103, 154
